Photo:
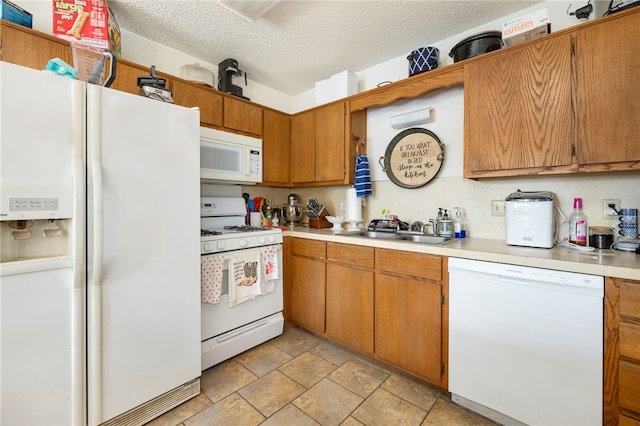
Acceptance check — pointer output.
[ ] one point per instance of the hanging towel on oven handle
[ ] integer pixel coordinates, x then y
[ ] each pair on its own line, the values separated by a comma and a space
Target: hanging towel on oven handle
362, 182
211, 273
271, 269
245, 276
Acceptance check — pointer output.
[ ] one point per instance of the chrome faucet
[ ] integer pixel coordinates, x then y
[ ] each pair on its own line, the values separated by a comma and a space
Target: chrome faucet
432, 223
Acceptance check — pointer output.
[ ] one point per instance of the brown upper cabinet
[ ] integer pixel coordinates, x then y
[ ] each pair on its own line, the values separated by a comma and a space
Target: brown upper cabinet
242, 116
23, 46
561, 104
303, 147
319, 143
127, 74
608, 94
275, 148
518, 109
196, 95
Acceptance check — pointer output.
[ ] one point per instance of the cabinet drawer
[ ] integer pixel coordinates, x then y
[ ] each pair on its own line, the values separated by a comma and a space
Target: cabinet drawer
309, 248
630, 386
353, 255
408, 263
630, 299
630, 340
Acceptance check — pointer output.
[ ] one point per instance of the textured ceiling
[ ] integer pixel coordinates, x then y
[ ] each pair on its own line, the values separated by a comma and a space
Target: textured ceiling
299, 42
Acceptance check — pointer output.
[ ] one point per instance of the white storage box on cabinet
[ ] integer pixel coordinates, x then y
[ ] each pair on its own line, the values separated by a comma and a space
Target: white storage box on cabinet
339, 86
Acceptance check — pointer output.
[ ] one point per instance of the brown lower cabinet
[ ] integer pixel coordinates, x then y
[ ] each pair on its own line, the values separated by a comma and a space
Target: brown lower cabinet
408, 320
350, 302
388, 304
622, 352
306, 283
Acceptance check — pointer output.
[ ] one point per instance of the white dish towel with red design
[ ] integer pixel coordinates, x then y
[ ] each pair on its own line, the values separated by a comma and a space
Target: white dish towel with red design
271, 269
245, 276
211, 272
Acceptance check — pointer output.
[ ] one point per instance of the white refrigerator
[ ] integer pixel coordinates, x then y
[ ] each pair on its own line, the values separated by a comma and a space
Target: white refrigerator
100, 318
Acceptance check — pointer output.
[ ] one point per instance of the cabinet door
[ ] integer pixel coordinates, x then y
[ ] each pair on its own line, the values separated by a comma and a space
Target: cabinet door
127, 74
22, 46
209, 102
330, 143
275, 148
303, 147
308, 293
607, 92
408, 324
518, 111
350, 306
243, 116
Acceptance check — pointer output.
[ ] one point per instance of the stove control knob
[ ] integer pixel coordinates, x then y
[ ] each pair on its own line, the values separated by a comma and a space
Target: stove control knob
205, 247
272, 239
220, 245
242, 242
262, 240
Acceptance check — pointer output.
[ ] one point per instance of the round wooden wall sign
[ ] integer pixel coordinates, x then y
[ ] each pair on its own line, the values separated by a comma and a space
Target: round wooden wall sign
413, 158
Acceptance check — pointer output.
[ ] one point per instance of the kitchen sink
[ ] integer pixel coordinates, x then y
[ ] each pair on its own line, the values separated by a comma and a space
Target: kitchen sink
425, 239
376, 235
402, 235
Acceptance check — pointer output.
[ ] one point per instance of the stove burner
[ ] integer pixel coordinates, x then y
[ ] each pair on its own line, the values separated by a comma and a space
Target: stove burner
244, 228
205, 232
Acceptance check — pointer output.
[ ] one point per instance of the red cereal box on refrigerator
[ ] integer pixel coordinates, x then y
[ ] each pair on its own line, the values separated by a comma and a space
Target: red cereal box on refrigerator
88, 22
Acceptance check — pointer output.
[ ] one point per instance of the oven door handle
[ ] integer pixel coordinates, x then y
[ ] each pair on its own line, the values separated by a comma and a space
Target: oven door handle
226, 260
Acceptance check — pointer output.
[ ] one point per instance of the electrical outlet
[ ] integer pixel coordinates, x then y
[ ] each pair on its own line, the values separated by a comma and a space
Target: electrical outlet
608, 212
497, 207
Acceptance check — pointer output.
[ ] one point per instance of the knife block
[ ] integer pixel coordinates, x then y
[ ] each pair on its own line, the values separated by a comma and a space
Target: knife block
321, 222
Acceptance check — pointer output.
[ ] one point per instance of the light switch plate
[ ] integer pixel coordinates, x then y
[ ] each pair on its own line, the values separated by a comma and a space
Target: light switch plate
497, 208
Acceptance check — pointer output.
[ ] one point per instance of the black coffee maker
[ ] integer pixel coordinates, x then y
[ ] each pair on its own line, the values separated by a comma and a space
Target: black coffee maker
226, 70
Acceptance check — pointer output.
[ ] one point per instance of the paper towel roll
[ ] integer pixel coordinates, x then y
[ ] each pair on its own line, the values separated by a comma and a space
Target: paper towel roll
354, 205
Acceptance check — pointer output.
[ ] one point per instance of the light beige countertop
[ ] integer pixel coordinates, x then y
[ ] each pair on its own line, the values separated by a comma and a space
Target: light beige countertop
609, 263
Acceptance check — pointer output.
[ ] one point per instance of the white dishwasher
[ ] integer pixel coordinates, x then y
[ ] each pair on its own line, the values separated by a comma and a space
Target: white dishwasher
525, 344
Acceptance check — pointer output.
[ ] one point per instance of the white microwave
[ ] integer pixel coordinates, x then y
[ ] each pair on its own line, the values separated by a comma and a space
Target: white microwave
229, 157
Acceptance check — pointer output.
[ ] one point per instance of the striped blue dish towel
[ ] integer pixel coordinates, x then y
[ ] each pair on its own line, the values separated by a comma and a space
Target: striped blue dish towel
362, 182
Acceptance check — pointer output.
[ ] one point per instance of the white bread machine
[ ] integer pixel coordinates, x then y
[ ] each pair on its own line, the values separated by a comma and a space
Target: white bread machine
529, 218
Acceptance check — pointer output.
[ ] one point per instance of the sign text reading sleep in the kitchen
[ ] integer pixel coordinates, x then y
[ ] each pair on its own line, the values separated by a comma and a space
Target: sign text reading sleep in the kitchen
415, 159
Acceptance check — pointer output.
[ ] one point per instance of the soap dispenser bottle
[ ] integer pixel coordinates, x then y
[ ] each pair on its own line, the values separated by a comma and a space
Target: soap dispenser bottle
446, 227
458, 224
439, 218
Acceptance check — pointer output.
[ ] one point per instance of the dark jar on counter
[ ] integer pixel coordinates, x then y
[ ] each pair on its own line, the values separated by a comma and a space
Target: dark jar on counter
600, 237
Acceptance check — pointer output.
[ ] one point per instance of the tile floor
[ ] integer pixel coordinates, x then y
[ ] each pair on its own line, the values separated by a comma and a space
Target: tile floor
301, 379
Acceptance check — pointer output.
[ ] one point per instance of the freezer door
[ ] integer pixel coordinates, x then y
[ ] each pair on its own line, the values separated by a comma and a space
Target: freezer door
41, 129
36, 314
144, 259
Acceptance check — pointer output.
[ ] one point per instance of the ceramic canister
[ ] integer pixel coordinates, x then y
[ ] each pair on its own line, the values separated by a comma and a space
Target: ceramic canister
628, 225
423, 59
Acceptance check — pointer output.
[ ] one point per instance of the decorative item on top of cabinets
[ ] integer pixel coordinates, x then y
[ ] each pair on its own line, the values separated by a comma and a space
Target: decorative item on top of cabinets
413, 158
226, 70
153, 87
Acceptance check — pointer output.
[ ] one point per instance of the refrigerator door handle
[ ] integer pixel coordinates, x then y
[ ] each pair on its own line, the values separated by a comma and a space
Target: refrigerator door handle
95, 285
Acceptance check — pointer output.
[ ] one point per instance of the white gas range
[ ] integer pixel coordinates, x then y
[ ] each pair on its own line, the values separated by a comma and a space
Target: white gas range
229, 328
